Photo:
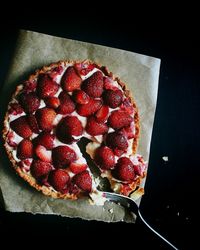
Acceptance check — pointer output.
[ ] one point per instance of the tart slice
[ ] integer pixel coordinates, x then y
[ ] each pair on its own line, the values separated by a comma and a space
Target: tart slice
56, 107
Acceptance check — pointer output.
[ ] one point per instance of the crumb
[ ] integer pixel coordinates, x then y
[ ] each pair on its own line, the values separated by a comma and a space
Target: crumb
110, 210
165, 158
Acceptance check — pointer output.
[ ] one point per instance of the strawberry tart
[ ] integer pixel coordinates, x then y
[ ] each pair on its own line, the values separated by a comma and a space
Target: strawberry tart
58, 106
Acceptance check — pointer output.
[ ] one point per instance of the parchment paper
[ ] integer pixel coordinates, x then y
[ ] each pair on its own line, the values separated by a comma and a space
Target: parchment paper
34, 50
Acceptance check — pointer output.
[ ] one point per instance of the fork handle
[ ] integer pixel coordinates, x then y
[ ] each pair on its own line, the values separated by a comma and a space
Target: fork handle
154, 231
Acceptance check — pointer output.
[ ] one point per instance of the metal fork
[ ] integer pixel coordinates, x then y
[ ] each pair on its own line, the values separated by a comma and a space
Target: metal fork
130, 204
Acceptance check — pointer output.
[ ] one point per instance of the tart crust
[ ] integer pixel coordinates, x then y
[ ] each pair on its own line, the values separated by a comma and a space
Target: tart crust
30, 179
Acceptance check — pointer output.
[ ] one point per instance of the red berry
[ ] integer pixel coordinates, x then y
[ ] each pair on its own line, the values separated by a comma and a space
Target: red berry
52, 102
117, 140
59, 179
81, 97
45, 118
124, 170
102, 114
33, 123
56, 71
45, 139
83, 181
46, 86
93, 85
67, 106
129, 131
127, 106
95, 128
71, 80
42, 153
25, 149
40, 169
21, 127
119, 119
63, 156
29, 86
104, 157
108, 83
10, 139
15, 109
113, 98
84, 68
77, 168
90, 108
30, 102
68, 126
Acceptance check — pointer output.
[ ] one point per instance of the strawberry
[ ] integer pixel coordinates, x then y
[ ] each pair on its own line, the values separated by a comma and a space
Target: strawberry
33, 123
45, 118
40, 169
90, 108
108, 83
68, 126
15, 109
104, 157
83, 181
113, 98
45, 139
29, 86
25, 149
56, 71
67, 106
119, 119
77, 168
124, 170
118, 152
30, 102
81, 97
52, 102
46, 86
59, 179
117, 140
93, 85
95, 128
102, 114
21, 127
127, 106
42, 153
63, 156
129, 131
84, 68
25, 164
71, 80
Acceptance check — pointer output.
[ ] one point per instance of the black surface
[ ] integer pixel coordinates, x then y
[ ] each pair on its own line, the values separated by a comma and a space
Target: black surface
171, 201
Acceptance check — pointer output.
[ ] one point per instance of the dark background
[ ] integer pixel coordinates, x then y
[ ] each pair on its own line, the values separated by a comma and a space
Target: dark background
171, 196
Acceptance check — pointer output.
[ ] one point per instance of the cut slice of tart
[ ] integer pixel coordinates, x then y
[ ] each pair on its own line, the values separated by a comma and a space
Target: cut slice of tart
56, 107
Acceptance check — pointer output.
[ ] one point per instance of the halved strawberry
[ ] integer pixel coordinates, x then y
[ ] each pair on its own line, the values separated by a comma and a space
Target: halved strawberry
15, 109
45, 139
90, 108
83, 181
59, 179
45, 118
127, 106
29, 86
40, 169
84, 68
102, 114
55, 71
30, 102
129, 131
46, 86
77, 168
33, 123
71, 80
104, 157
10, 139
42, 153
95, 128
108, 83
25, 164
68, 127
113, 98
119, 119
117, 140
63, 156
25, 149
21, 127
52, 102
81, 97
124, 169
93, 85
67, 106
